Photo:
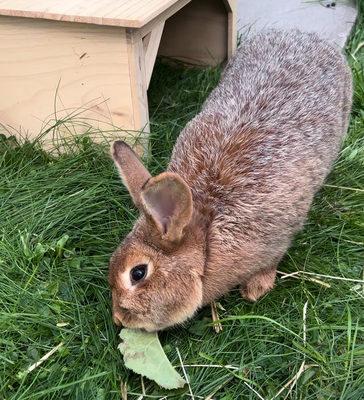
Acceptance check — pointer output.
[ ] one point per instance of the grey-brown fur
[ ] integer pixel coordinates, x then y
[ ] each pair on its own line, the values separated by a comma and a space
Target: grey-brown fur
285, 98
254, 158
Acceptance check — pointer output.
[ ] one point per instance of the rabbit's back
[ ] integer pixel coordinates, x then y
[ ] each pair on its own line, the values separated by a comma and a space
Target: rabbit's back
268, 134
280, 78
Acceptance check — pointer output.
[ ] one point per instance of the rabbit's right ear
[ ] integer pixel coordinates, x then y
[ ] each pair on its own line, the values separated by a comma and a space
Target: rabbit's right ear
168, 204
133, 173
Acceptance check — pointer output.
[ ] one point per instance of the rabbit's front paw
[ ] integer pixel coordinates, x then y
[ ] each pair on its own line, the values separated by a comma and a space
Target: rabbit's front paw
258, 285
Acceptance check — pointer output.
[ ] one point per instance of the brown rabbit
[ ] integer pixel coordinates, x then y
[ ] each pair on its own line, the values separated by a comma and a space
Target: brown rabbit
241, 179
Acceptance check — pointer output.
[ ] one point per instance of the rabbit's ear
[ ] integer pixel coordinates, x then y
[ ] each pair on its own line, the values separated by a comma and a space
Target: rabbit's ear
168, 201
132, 171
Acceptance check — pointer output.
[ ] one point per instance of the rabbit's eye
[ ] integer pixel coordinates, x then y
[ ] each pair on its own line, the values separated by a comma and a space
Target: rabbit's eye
138, 273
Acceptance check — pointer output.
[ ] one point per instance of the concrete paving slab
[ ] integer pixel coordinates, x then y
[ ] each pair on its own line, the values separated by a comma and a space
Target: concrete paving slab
333, 20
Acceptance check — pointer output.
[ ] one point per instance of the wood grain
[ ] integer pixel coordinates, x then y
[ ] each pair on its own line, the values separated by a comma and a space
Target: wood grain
126, 13
138, 86
232, 7
88, 63
151, 46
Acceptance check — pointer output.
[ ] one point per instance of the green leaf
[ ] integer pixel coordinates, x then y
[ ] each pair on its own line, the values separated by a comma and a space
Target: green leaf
200, 327
39, 251
60, 245
307, 375
33, 353
62, 241
75, 263
144, 354
101, 394
353, 154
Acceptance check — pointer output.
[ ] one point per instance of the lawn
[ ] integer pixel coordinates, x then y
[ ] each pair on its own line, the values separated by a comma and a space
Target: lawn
62, 214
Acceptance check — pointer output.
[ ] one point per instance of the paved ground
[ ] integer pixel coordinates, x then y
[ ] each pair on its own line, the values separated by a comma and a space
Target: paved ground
333, 22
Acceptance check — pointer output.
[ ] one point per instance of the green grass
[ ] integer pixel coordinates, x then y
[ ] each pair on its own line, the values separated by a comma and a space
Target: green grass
61, 217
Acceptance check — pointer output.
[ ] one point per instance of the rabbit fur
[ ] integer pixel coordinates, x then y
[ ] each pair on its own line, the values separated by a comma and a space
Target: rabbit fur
239, 184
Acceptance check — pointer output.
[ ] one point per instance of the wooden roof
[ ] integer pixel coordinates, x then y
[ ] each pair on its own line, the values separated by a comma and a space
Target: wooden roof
127, 13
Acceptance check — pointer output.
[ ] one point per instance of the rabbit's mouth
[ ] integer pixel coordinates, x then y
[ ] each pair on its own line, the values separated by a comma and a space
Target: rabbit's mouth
129, 320
124, 317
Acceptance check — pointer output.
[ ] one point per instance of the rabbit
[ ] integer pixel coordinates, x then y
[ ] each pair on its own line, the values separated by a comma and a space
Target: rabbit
241, 179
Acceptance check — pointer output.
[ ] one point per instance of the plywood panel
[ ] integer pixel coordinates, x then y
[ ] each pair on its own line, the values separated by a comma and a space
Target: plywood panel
198, 33
151, 45
232, 7
138, 83
138, 87
126, 13
88, 64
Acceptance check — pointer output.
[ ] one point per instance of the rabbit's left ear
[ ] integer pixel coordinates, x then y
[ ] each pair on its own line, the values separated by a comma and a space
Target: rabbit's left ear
167, 199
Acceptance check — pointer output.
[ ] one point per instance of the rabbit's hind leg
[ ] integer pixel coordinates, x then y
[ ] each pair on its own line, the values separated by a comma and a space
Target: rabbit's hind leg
258, 285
